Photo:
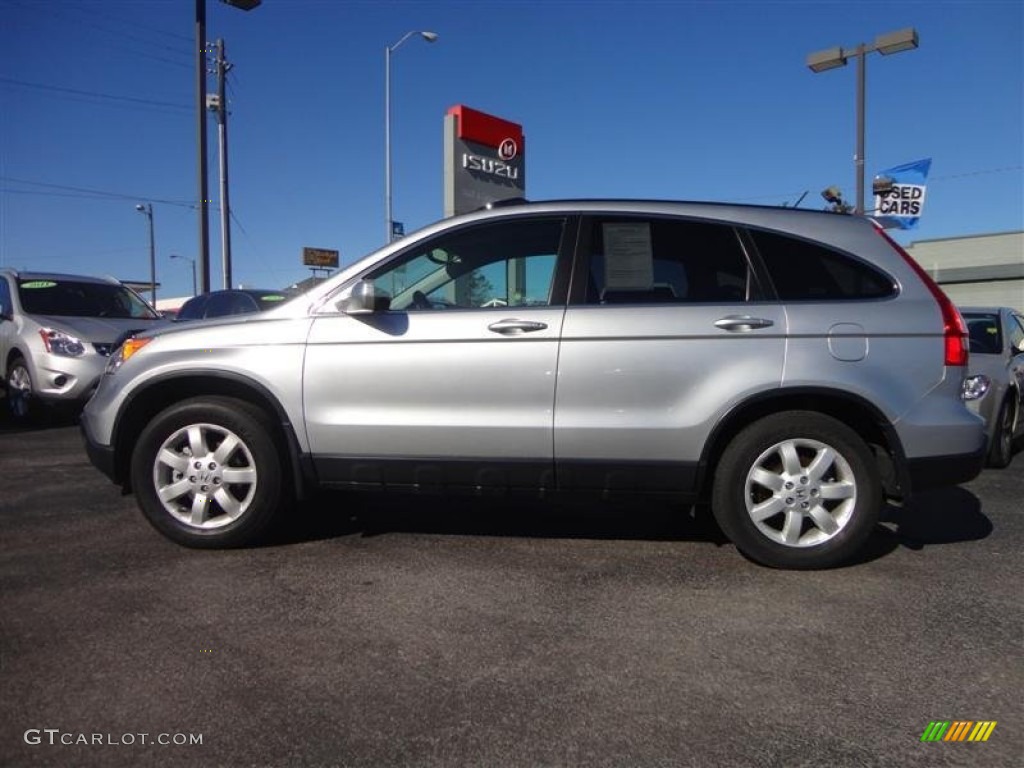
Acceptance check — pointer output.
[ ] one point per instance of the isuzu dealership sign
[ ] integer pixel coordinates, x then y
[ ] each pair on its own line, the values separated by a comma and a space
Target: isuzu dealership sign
484, 160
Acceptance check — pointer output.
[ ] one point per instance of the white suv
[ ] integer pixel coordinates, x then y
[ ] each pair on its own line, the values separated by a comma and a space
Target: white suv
56, 333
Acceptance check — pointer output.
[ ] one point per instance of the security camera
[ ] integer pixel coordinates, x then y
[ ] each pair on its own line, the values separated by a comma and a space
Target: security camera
832, 195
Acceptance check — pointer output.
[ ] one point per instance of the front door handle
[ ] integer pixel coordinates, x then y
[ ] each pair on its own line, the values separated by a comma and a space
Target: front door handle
513, 327
742, 323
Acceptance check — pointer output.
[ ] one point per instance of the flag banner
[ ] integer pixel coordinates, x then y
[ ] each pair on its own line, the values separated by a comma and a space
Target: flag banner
900, 194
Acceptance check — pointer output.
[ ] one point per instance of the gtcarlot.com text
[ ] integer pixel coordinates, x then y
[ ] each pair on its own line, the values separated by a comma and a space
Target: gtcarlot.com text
57, 737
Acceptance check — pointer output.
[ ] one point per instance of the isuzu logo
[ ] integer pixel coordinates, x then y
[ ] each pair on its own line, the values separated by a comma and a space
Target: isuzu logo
508, 149
490, 166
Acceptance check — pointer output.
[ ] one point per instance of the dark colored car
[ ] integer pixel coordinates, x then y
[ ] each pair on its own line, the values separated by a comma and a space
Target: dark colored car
995, 387
239, 301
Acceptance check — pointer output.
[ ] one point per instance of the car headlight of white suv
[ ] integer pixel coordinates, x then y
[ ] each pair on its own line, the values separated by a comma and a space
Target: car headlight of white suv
60, 343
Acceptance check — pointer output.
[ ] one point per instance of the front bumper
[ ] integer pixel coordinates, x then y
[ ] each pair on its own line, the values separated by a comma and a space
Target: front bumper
66, 379
101, 456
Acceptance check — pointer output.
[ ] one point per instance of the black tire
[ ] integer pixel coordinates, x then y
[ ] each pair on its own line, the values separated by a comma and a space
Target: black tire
792, 529
1000, 452
22, 403
243, 485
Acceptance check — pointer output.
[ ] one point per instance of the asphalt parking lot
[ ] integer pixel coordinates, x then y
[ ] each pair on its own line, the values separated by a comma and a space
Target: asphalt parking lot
435, 631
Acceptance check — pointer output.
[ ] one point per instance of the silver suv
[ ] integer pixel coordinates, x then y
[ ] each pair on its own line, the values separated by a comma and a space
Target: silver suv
793, 368
56, 333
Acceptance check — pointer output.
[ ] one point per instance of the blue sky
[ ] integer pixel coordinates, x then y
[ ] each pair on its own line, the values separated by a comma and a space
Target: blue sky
678, 100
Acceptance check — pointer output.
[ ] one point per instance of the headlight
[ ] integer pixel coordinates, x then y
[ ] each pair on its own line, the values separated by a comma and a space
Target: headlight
126, 350
975, 387
60, 343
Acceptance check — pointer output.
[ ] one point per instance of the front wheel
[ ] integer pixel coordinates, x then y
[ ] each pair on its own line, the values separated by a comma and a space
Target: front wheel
797, 490
207, 474
21, 400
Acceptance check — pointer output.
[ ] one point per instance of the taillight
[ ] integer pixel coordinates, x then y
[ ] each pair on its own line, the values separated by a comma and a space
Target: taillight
954, 329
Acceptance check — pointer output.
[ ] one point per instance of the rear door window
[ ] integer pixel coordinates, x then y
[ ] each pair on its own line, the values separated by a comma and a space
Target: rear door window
665, 260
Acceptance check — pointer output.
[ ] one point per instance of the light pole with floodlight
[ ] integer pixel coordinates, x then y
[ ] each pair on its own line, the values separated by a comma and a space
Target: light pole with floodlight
891, 42
147, 209
204, 195
430, 37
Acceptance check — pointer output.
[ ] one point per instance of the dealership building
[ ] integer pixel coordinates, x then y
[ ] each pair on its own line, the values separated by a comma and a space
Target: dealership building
976, 270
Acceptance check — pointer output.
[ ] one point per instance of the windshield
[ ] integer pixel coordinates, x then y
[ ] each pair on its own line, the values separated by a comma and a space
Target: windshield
71, 298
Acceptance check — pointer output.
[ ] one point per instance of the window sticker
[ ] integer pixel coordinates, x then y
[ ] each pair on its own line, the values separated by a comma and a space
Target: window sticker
628, 256
34, 284
274, 297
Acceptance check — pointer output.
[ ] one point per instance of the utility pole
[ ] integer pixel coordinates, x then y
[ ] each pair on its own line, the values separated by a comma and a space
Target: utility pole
221, 108
204, 210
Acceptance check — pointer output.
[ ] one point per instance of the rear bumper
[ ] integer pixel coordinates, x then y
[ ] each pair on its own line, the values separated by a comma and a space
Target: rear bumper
939, 471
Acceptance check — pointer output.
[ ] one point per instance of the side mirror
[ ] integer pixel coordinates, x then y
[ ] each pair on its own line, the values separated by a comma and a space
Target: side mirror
362, 299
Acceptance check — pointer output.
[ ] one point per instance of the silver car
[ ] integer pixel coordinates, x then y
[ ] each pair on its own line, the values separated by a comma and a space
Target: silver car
793, 368
56, 333
996, 383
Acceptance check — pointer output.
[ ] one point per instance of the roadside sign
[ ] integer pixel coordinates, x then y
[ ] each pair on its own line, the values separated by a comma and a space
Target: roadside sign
322, 258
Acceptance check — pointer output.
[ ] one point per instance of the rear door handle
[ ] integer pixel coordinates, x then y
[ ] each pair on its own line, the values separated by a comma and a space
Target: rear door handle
514, 327
742, 323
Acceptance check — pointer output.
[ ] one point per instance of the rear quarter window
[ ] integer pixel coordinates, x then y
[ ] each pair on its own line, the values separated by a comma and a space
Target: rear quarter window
802, 270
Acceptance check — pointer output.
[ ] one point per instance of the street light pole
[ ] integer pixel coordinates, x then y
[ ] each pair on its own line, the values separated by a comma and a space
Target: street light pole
858, 158
148, 210
430, 37
891, 42
204, 196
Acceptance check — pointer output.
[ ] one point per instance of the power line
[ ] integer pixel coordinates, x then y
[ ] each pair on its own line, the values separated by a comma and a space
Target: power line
95, 193
951, 177
81, 18
109, 46
95, 94
140, 25
1007, 169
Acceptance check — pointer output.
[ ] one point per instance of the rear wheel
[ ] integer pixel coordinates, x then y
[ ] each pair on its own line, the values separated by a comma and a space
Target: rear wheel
207, 473
1000, 453
797, 490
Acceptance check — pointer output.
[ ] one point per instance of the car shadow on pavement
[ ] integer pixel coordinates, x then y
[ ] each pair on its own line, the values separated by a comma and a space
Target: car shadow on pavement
944, 516
340, 513
48, 419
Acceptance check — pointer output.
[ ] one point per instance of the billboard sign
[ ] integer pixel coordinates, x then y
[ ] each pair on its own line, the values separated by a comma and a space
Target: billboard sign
484, 160
900, 194
320, 258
